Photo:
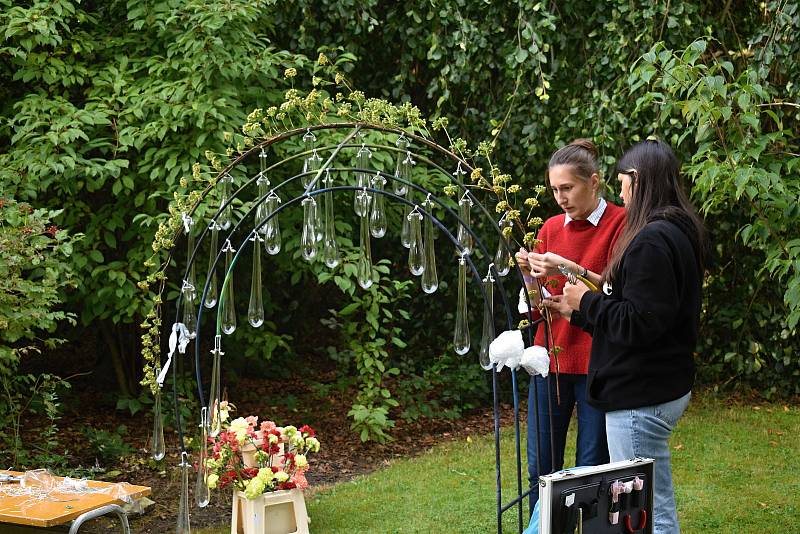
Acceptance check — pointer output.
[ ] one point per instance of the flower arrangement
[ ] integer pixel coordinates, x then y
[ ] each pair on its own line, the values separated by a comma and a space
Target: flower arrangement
258, 458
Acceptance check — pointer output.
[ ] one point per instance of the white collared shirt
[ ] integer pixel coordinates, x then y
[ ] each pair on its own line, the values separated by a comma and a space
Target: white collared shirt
594, 217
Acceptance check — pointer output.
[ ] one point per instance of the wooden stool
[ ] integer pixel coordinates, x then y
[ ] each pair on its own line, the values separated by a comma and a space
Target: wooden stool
278, 512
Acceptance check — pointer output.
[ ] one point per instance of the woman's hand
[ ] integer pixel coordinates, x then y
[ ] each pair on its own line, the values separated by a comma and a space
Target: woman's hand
545, 264
573, 293
557, 304
522, 261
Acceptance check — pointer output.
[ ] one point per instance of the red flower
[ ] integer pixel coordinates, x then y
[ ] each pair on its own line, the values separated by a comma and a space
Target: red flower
52, 229
305, 429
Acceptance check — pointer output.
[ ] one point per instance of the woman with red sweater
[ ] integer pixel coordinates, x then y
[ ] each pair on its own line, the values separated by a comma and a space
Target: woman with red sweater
582, 239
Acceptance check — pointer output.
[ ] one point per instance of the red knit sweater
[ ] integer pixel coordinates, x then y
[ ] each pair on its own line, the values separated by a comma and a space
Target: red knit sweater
589, 246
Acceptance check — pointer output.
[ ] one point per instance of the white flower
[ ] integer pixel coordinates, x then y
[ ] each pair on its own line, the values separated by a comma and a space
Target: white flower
312, 444
239, 426
507, 349
300, 461
535, 360
211, 480
281, 477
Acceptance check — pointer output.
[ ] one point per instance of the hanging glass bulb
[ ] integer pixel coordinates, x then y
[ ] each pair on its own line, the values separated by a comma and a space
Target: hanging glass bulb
201, 492
430, 280
312, 164
272, 230
255, 310
224, 220
189, 288
263, 191
308, 240
377, 214
183, 526
502, 258
402, 165
488, 321
364, 265
461, 335
464, 237
405, 231
189, 313
416, 252
228, 307
330, 250
211, 295
157, 447
363, 157
215, 417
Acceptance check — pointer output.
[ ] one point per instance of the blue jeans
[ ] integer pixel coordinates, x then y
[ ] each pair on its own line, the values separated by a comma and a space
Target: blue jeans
645, 432
591, 444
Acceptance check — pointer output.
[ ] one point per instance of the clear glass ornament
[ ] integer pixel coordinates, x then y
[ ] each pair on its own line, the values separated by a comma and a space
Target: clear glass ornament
330, 250
189, 287
201, 492
488, 322
157, 447
213, 248
377, 214
272, 229
502, 258
263, 191
461, 339
225, 218
363, 157
228, 305
416, 252
430, 280
308, 240
364, 262
255, 309
312, 164
214, 397
189, 311
183, 526
402, 165
405, 230
464, 237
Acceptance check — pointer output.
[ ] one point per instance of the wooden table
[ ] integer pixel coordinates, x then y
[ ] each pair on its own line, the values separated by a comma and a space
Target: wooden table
62, 507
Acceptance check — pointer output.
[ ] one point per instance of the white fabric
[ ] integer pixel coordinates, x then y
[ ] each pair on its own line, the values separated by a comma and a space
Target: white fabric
522, 305
535, 360
595, 216
507, 349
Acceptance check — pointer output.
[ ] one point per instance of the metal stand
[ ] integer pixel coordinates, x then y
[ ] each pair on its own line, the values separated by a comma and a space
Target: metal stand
98, 512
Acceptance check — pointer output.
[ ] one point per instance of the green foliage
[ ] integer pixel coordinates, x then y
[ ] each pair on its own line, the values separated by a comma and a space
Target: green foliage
717, 80
104, 110
369, 329
34, 270
23, 397
729, 114
109, 446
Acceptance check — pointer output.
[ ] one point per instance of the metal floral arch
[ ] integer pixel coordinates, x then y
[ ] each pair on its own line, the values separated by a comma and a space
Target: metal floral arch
255, 223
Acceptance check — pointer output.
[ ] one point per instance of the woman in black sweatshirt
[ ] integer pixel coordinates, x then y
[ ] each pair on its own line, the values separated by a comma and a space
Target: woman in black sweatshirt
644, 324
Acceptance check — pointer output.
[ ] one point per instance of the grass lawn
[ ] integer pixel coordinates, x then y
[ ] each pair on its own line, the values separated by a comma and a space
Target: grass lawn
736, 470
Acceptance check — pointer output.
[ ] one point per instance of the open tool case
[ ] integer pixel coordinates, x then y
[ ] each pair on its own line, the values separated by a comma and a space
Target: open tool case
615, 498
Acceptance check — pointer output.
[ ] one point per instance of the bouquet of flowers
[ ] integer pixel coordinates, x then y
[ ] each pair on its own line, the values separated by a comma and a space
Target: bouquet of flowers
257, 458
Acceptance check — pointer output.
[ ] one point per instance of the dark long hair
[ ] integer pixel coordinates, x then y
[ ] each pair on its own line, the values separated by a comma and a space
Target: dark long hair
656, 193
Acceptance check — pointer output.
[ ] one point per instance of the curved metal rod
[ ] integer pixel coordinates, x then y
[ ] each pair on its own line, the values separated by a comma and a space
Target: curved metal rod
283, 206
434, 147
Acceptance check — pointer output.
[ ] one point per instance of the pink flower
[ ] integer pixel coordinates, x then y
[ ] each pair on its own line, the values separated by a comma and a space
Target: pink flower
299, 479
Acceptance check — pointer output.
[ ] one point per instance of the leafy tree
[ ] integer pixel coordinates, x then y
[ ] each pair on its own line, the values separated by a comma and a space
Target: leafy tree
105, 108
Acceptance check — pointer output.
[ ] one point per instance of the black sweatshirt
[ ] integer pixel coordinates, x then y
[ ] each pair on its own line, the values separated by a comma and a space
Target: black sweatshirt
645, 332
